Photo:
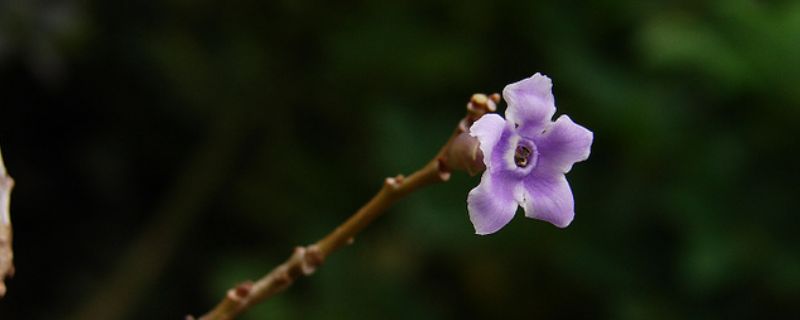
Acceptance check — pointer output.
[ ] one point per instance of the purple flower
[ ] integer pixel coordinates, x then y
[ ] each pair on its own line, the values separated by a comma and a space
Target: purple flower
526, 156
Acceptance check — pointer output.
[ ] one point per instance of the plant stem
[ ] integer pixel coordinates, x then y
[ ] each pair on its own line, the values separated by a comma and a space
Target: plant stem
305, 260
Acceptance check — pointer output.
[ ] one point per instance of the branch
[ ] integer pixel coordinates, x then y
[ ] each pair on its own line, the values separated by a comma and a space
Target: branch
6, 252
459, 153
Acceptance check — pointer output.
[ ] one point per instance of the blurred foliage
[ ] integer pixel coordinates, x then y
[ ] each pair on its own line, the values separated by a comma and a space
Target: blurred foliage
683, 210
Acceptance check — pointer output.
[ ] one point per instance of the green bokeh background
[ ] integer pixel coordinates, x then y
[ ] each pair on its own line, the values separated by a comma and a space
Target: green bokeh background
244, 129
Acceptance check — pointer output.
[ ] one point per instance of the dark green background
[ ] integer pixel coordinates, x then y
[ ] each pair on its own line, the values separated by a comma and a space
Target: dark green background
244, 129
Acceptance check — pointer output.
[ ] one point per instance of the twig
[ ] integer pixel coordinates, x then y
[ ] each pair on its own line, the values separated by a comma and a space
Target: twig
459, 153
6, 252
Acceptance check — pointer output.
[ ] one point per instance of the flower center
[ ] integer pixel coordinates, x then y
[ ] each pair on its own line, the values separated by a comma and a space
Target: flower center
521, 156
525, 154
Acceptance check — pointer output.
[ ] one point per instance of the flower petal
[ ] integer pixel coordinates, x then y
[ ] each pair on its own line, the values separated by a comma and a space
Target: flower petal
561, 145
549, 199
489, 129
493, 202
530, 104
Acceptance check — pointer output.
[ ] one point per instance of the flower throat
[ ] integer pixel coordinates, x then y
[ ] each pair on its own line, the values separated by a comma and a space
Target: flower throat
522, 156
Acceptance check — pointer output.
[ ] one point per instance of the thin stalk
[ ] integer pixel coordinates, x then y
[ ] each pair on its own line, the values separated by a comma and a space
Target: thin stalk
305, 260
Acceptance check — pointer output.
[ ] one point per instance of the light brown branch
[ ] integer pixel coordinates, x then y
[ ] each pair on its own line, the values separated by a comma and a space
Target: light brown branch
305, 260
6, 251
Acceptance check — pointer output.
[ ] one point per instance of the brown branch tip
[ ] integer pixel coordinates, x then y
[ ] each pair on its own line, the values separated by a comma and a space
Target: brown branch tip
6, 252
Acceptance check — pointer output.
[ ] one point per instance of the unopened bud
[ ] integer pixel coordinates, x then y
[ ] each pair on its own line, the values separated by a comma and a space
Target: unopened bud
479, 102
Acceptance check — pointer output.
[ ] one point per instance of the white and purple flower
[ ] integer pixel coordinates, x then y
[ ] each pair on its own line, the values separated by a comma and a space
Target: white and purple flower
526, 156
